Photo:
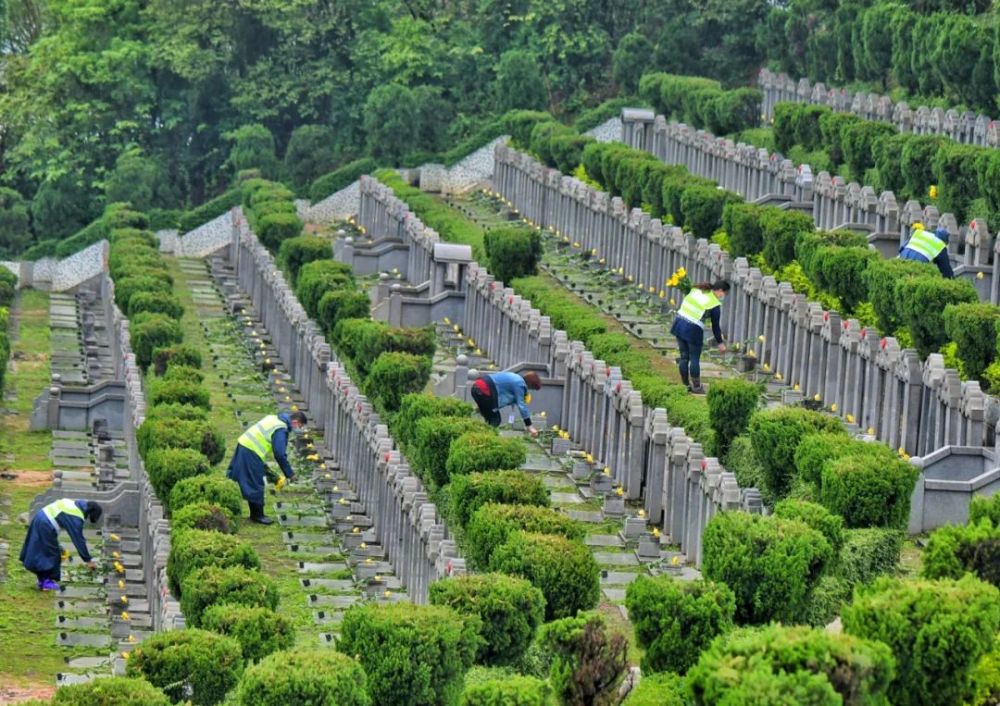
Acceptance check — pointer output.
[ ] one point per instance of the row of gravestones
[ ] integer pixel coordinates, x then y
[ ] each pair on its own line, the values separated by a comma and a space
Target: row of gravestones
405, 523
763, 177
966, 126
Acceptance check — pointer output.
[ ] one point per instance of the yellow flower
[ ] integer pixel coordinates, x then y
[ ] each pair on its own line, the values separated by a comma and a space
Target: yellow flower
455, 328
761, 338
606, 471
602, 261
642, 513
871, 431
795, 387
979, 275
527, 398
672, 302
777, 376
555, 428
630, 278
766, 367
816, 397
593, 252
675, 560
850, 418
656, 532
833, 407
115, 537
619, 491
662, 294
363, 545
447, 321
672, 282
932, 192
681, 272
124, 615
124, 600
576, 243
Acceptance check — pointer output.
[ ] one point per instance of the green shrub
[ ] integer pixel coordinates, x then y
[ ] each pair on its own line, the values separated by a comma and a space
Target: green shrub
792, 665
888, 283
217, 490
513, 690
730, 406
483, 451
519, 124
491, 525
509, 611
675, 621
260, 631
182, 373
828, 599
956, 169
859, 140
742, 462
741, 221
156, 302
109, 691
181, 354
701, 208
924, 307
416, 406
431, 441
983, 508
127, 287
422, 654
300, 250
953, 551
665, 689
202, 516
471, 491
771, 564
166, 466
179, 433
937, 631
814, 450
303, 677
342, 177
275, 228
166, 391
541, 136
836, 261
587, 658
193, 549
779, 231
973, 328
674, 189
318, 277
151, 331
869, 489
833, 127
189, 661
393, 375
342, 304
210, 210
233, 585
816, 516
567, 151
869, 553
564, 570
512, 251
776, 435
366, 342
175, 412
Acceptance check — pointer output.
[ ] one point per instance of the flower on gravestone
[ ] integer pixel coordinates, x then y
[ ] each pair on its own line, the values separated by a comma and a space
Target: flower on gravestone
933, 191
672, 301
542, 413
606, 471
816, 397
850, 418
124, 615
121, 584
447, 321
642, 513
602, 261
124, 600
765, 367
979, 275
675, 560
833, 407
795, 387
656, 532
115, 537
576, 244
761, 338
555, 428
871, 431
777, 376
456, 328
662, 294
619, 491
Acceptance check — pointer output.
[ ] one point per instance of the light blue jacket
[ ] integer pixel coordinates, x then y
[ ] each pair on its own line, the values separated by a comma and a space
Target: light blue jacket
511, 390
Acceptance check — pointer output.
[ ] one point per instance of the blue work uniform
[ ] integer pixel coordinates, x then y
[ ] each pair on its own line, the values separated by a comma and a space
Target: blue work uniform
503, 390
248, 469
691, 339
941, 259
41, 553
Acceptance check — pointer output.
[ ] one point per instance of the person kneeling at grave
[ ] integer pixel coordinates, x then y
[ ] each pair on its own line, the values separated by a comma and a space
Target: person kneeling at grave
493, 392
41, 553
268, 437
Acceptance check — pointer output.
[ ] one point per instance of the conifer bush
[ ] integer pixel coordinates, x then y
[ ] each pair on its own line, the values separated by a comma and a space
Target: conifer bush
731, 403
197, 661
340, 304
469, 492
394, 375
483, 451
155, 302
318, 277
108, 691
815, 516
588, 658
491, 525
203, 516
180, 354
954, 550
512, 251
870, 487
513, 690
185, 391
260, 631
776, 435
973, 328
431, 441
215, 489
166, 466
193, 549
149, 331
300, 250
416, 406
181, 433
304, 677
233, 585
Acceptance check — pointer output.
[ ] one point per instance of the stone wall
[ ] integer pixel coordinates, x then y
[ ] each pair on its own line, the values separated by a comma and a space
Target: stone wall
407, 524
54, 275
203, 241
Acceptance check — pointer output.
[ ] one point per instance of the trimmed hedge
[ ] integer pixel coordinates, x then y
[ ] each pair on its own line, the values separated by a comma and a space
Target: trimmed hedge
423, 651
788, 666
181, 354
937, 631
166, 466
491, 525
318, 277
512, 251
814, 450
870, 488
952, 551
340, 178
565, 571
509, 611
676, 620
973, 328
156, 302
234, 585
300, 250
217, 490
260, 631
868, 554
108, 691
587, 659
181, 433
731, 403
469, 492
193, 549
513, 690
775, 435
150, 331
479, 451
771, 564
983, 508
186, 392
432, 439
923, 309
665, 689
416, 406
204, 663
202, 516
816, 516
304, 677
394, 375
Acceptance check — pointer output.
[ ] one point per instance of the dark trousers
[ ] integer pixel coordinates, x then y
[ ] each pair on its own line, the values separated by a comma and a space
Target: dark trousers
487, 404
54, 574
690, 357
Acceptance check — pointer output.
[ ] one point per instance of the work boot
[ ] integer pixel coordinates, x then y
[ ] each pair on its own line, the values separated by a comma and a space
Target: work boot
696, 388
686, 380
257, 514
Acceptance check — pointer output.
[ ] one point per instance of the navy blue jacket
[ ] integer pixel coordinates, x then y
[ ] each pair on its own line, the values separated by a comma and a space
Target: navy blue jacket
41, 550
943, 261
248, 469
691, 333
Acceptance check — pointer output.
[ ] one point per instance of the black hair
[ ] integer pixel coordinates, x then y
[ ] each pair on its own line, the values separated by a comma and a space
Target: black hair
298, 417
94, 512
721, 284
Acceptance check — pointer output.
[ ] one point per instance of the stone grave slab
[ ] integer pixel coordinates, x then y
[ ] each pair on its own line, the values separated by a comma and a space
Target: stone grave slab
88, 662
77, 639
81, 622
566, 499
616, 559
314, 567
341, 602
617, 578
604, 540
593, 516
615, 595
329, 584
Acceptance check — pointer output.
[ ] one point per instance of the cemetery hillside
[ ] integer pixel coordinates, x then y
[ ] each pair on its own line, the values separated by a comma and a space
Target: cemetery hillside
499, 353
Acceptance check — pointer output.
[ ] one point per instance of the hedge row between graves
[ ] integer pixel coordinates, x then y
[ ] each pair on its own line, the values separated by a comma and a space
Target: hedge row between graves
269, 208
702, 102
8, 287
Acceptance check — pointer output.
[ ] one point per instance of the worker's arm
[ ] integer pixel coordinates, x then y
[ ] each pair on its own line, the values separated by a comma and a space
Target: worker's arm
74, 528
943, 263
522, 406
715, 314
279, 445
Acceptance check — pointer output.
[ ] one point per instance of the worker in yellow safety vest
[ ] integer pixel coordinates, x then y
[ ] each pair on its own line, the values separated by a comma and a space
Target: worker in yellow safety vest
41, 553
266, 438
703, 300
924, 246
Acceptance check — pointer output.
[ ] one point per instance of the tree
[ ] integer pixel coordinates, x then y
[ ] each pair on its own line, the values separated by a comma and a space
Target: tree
61, 207
310, 154
140, 181
519, 82
389, 122
630, 61
433, 114
14, 232
253, 148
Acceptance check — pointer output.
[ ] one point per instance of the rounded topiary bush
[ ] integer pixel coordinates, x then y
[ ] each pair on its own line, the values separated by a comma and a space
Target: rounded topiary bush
211, 585
730, 406
156, 302
173, 391
149, 331
188, 664
512, 251
273, 228
937, 630
513, 690
165, 467
296, 252
412, 654
983, 508
182, 412
953, 551
815, 516
129, 286
111, 691
342, 304
181, 354
509, 610
217, 490
771, 564
869, 487
676, 620
470, 492
814, 450
417, 406
792, 665
318, 277
183, 373
203, 516
260, 631
192, 549
431, 441
564, 570
869, 553
180, 433
775, 435
304, 677
483, 451
491, 525
393, 375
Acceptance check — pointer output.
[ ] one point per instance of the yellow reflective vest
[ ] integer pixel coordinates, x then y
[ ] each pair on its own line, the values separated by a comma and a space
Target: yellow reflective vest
695, 304
53, 510
258, 437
